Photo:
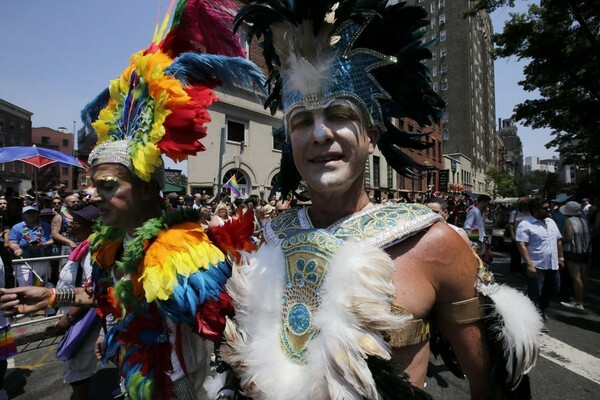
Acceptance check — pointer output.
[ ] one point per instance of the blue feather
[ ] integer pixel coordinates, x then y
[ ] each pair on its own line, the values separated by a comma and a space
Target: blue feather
227, 72
90, 112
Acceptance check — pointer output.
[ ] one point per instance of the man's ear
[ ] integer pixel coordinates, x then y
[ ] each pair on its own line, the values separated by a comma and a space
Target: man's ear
373, 134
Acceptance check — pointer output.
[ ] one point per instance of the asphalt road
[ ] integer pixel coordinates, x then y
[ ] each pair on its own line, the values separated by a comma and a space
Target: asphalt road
568, 367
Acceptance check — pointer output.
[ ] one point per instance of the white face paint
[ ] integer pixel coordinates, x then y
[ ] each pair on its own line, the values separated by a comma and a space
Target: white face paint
331, 145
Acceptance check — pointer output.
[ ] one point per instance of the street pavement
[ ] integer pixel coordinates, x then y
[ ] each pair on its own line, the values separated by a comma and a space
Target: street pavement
568, 367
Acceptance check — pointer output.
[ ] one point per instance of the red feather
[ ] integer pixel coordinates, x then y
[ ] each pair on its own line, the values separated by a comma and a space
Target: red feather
204, 26
186, 125
210, 318
235, 235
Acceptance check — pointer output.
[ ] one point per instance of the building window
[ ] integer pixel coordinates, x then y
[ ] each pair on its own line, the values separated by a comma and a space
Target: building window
376, 172
442, 19
444, 68
432, 7
22, 126
442, 3
445, 99
445, 84
435, 87
65, 170
434, 55
432, 23
45, 139
390, 177
278, 139
434, 71
443, 52
443, 35
65, 142
2, 122
236, 131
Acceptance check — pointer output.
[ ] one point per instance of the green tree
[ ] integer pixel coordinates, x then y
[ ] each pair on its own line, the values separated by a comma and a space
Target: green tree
178, 179
560, 38
504, 183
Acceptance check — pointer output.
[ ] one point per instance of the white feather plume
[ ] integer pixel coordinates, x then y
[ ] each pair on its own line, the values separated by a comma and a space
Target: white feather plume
306, 59
355, 309
518, 328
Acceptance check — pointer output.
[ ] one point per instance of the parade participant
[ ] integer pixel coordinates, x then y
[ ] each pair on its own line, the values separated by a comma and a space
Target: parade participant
78, 369
159, 276
337, 302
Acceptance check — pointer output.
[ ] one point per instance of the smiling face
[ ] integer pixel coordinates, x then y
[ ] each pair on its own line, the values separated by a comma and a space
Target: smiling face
118, 196
331, 145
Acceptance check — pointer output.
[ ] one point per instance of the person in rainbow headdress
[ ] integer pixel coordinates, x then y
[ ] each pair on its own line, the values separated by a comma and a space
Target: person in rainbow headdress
344, 297
159, 277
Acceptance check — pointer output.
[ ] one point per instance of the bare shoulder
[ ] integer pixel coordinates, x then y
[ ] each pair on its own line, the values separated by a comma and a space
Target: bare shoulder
439, 258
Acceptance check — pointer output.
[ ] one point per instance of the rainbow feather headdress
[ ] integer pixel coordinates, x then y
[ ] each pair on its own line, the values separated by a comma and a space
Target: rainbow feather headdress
362, 50
159, 104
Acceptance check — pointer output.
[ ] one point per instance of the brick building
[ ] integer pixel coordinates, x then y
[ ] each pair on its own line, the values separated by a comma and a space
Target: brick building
54, 174
15, 130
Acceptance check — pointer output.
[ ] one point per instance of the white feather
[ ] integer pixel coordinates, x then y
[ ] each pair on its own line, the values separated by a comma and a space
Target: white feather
306, 59
213, 384
355, 307
518, 329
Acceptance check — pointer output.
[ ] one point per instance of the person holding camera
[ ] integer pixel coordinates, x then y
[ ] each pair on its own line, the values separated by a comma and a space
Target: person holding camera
29, 239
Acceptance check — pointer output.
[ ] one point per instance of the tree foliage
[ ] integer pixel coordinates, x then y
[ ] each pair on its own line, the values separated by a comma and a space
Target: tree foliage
503, 182
178, 179
560, 39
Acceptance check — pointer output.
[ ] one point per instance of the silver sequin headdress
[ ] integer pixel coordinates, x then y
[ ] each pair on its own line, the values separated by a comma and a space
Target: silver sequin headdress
362, 50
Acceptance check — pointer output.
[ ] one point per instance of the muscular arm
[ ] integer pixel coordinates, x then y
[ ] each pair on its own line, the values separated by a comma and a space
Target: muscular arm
56, 227
439, 267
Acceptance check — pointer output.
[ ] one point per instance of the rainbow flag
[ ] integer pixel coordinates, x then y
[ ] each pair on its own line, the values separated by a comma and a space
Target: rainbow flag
232, 184
35, 279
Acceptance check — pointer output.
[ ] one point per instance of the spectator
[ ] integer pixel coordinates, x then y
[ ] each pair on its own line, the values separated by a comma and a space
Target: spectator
439, 206
61, 225
577, 246
281, 206
475, 225
29, 239
221, 215
586, 206
541, 247
516, 216
57, 203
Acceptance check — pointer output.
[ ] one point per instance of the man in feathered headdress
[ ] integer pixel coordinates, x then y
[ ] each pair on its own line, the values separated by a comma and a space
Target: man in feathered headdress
344, 297
158, 276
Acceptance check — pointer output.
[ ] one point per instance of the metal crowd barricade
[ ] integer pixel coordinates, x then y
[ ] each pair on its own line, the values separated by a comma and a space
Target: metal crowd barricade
30, 330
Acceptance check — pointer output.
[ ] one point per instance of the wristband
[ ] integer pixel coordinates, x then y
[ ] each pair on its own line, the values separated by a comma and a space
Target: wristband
52, 298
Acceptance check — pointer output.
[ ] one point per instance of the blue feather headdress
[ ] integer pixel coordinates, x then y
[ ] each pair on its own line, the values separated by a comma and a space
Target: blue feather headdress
362, 50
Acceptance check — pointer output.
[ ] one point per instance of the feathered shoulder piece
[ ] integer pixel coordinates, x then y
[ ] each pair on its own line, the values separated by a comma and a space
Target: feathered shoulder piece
363, 50
159, 104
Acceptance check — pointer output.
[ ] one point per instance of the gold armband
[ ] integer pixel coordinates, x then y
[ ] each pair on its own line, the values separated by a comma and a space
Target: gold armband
413, 332
460, 312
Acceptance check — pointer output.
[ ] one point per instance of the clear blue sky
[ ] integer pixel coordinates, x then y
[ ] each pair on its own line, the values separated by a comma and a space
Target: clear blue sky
59, 54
